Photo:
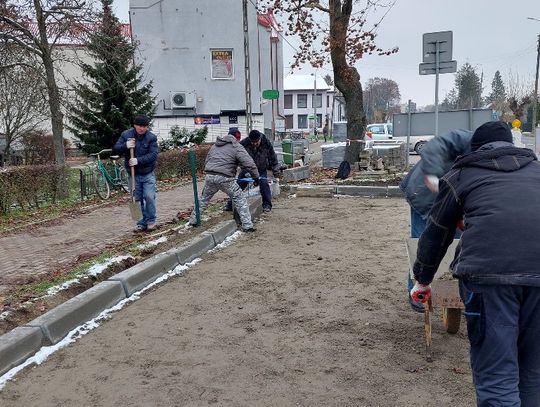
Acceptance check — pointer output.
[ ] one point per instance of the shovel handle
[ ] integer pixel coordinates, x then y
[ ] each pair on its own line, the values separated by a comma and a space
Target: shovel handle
132, 168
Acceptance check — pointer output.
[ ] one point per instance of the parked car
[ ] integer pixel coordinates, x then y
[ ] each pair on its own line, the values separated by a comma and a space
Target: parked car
416, 143
379, 131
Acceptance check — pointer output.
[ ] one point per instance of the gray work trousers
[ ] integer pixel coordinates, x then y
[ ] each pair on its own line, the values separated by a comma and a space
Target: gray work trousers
213, 184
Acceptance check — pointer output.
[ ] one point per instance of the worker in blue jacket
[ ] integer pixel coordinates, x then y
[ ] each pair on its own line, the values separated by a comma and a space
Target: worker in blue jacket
145, 146
495, 190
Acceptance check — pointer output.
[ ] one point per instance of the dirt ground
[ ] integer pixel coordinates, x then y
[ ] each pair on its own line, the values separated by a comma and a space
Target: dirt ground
310, 310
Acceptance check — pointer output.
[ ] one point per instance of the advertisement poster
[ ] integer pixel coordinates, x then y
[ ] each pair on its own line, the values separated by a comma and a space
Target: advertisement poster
222, 64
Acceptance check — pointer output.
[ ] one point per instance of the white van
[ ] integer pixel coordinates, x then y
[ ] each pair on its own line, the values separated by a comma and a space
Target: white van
379, 131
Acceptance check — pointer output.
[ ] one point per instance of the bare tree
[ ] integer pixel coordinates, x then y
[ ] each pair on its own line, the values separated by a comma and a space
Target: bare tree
37, 26
519, 95
23, 101
335, 31
381, 97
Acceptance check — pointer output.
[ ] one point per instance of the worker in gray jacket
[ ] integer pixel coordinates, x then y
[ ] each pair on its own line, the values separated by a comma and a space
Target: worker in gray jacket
220, 171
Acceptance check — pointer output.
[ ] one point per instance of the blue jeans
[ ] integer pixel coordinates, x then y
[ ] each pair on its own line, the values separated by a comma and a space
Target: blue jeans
503, 325
418, 224
145, 193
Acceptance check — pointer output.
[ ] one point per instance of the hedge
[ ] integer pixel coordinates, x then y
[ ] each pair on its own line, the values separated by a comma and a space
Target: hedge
32, 186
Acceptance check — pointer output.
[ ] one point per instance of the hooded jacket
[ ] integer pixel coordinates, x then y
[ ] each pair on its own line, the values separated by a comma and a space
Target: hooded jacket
438, 155
226, 155
263, 155
496, 190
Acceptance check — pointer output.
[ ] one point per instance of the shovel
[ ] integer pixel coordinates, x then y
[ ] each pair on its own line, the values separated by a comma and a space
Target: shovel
134, 206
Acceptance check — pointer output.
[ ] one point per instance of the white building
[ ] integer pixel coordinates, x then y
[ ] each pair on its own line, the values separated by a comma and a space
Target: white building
306, 97
193, 51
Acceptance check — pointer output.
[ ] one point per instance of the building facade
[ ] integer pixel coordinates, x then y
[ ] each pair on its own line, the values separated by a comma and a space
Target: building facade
309, 96
194, 53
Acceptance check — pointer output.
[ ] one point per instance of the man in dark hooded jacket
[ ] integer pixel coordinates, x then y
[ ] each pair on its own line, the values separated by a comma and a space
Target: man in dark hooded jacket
496, 190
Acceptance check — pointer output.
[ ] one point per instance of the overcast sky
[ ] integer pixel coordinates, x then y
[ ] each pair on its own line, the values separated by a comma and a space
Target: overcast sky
490, 35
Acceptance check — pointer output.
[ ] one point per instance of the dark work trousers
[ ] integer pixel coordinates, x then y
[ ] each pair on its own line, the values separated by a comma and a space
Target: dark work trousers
264, 189
503, 325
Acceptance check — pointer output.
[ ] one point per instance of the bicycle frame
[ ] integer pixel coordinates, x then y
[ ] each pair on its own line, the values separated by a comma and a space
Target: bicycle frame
113, 179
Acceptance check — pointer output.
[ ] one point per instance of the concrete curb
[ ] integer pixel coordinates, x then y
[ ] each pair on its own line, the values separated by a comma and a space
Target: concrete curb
320, 191
56, 323
20, 343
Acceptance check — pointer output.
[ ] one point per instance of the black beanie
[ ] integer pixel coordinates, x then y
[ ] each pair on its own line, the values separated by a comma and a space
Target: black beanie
490, 132
141, 120
254, 135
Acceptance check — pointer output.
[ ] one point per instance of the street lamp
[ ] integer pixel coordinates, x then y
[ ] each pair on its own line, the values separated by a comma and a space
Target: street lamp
535, 104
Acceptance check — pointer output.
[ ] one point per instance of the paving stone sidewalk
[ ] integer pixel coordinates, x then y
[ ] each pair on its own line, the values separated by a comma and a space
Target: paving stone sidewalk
47, 247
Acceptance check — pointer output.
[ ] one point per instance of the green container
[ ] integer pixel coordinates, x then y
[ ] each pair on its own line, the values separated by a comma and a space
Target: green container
288, 156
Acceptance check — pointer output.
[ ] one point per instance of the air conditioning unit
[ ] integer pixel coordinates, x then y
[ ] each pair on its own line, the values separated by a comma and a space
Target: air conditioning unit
183, 100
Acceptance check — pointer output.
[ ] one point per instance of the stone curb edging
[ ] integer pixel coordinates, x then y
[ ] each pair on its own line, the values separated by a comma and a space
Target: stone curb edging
320, 191
50, 328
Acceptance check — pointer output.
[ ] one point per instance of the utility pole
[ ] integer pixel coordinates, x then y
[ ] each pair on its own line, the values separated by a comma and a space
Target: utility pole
247, 74
535, 103
314, 105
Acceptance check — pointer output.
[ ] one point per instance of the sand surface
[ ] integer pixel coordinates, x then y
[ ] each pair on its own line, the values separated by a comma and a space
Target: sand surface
310, 310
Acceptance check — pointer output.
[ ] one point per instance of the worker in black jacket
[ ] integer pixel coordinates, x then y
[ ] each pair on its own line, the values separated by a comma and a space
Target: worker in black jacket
495, 190
262, 152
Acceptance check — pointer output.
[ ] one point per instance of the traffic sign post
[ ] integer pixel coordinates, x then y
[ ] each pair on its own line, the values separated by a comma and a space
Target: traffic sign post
437, 58
270, 94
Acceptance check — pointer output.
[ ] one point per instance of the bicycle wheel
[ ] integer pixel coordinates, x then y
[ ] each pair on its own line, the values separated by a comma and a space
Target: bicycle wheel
123, 178
101, 185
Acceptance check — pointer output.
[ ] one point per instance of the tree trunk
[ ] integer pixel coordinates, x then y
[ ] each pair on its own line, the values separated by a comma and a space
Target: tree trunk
54, 97
347, 79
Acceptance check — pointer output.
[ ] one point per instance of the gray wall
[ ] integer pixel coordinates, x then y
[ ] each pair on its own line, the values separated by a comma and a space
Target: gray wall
175, 38
423, 123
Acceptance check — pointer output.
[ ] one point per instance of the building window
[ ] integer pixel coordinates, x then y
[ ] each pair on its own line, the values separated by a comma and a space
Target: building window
288, 102
319, 120
317, 100
302, 121
222, 63
327, 100
301, 100
289, 122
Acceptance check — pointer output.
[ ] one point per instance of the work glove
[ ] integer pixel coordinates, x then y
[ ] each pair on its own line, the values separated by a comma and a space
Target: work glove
132, 162
420, 292
432, 182
255, 182
130, 143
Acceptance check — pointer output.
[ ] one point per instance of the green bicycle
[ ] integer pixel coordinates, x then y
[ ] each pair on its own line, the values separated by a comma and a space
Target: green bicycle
105, 178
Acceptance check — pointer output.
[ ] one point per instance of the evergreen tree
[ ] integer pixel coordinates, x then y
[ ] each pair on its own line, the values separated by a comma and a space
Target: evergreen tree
497, 97
450, 101
106, 105
469, 87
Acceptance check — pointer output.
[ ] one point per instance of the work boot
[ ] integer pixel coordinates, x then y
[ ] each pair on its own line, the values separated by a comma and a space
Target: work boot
249, 230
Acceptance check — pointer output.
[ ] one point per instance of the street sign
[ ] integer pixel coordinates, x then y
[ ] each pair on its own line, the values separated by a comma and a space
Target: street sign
270, 94
429, 44
444, 67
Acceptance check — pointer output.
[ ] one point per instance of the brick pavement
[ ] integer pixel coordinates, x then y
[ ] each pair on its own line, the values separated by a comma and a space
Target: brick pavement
47, 247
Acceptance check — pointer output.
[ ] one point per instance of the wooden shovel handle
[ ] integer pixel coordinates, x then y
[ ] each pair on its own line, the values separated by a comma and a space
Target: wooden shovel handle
132, 168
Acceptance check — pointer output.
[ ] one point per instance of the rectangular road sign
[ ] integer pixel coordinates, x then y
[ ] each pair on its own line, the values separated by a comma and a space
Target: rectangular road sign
429, 44
444, 67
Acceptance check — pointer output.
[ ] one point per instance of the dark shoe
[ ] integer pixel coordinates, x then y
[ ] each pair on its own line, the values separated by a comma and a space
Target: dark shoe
249, 230
266, 209
227, 208
139, 229
193, 225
